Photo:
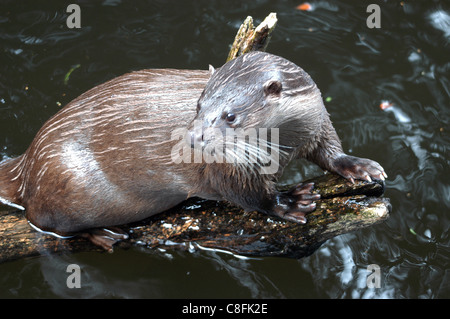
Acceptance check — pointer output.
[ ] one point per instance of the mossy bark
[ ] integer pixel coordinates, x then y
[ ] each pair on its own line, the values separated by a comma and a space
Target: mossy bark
198, 224
249, 38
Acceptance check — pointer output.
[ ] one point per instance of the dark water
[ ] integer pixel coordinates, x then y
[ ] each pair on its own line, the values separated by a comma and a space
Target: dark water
405, 62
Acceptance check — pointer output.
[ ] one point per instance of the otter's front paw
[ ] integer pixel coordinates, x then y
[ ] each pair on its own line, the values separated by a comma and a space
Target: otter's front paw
294, 204
353, 168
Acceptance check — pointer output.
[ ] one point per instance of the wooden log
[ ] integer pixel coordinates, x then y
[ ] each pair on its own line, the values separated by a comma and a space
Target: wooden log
249, 38
201, 224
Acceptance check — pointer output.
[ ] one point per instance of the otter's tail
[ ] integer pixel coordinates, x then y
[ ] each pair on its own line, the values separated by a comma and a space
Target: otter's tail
10, 181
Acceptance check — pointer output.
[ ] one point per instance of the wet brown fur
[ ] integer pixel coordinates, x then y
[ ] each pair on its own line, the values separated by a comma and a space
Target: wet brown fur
105, 158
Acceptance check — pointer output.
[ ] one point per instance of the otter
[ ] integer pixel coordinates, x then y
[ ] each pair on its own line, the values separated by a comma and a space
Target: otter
106, 159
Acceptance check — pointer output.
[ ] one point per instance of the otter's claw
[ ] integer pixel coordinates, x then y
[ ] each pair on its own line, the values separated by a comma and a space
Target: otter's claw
294, 204
353, 168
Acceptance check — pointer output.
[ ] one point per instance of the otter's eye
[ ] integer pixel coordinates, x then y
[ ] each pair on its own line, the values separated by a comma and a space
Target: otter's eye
230, 117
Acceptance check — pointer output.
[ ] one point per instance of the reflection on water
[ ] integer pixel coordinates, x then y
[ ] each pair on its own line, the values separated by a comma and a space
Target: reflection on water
404, 64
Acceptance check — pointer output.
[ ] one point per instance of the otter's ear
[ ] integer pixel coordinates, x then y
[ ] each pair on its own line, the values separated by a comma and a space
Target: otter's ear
273, 87
211, 70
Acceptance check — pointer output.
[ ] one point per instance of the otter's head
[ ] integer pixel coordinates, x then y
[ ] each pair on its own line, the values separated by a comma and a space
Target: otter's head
259, 92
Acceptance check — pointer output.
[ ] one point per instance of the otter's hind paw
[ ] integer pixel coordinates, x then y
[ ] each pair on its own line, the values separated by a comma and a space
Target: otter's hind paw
105, 237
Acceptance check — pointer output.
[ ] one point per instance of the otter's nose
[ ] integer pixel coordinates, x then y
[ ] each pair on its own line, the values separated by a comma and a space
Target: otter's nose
196, 139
